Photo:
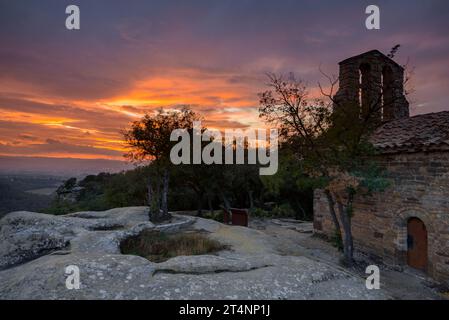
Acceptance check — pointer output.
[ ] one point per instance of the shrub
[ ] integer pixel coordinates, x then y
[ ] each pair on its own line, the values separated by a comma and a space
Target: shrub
278, 211
217, 215
260, 213
284, 210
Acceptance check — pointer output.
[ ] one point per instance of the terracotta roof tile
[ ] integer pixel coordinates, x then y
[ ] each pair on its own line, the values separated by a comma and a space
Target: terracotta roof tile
425, 132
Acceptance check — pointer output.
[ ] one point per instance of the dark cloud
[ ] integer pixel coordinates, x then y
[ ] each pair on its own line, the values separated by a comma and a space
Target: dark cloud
210, 54
28, 137
121, 41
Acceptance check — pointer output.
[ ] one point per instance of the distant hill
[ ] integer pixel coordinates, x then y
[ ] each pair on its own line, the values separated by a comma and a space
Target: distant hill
66, 167
26, 192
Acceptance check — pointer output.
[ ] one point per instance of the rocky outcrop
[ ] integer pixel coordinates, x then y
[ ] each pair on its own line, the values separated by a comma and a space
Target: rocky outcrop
35, 250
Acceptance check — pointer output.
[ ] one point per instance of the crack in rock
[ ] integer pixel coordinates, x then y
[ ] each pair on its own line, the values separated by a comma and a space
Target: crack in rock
171, 271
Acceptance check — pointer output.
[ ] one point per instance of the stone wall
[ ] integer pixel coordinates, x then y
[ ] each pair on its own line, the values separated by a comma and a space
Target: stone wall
372, 80
419, 188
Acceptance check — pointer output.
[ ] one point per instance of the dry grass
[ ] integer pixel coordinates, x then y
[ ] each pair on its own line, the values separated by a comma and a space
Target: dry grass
158, 247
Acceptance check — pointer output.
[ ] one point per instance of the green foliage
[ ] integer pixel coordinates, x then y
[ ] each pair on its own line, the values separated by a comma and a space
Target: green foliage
283, 211
103, 191
278, 211
149, 137
217, 215
67, 186
291, 187
129, 188
373, 178
60, 207
260, 213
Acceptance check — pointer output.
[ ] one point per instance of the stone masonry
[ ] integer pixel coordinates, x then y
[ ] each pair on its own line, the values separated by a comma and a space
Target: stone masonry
420, 188
373, 80
415, 153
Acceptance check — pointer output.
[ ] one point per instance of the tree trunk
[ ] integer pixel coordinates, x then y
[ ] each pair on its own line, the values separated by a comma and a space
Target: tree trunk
348, 245
154, 200
331, 202
158, 204
251, 199
149, 192
226, 203
164, 202
158, 194
303, 212
209, 204
200, 205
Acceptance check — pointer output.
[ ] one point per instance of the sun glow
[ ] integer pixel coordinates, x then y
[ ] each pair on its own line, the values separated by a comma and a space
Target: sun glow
97, 123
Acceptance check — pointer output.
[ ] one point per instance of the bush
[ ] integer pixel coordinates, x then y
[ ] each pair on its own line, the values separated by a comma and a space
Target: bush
283, 211
260, 213
60, 207
278, 211
217, 215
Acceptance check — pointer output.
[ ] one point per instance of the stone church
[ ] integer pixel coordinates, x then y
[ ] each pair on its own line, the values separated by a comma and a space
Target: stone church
407, 224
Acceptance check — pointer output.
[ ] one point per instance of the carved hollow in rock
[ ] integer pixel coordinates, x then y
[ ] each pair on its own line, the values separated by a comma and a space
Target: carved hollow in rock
159, 246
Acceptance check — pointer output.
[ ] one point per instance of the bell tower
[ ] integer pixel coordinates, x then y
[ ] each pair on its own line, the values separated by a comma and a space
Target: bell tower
375, 83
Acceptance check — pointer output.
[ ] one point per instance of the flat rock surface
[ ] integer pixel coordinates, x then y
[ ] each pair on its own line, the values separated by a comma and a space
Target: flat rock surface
267, 261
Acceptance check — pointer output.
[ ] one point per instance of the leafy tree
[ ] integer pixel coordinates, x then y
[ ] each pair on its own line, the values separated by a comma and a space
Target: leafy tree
149, 139
66, 187
291, 185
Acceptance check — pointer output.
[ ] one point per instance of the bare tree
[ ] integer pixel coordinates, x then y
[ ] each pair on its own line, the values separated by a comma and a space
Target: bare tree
331, 147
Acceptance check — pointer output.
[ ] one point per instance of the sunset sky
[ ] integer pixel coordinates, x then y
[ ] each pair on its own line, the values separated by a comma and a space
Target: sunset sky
69, 93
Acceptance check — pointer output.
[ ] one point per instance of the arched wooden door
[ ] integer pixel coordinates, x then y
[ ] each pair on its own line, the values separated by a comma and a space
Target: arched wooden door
416, 244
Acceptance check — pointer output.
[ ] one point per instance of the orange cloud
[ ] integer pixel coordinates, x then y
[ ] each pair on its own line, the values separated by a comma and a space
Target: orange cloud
29, 121
185, 87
